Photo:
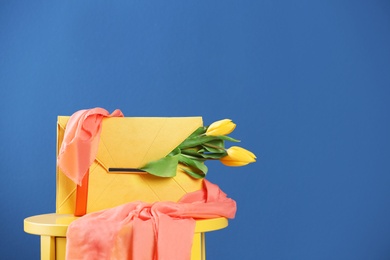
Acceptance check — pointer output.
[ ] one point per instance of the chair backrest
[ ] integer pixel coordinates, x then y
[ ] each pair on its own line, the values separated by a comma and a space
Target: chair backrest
129, 143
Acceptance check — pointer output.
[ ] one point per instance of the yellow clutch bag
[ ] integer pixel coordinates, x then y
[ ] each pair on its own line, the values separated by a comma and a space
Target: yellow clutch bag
126, 144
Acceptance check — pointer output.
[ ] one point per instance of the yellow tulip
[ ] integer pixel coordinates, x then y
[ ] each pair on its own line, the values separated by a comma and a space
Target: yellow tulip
221, 127
238, 156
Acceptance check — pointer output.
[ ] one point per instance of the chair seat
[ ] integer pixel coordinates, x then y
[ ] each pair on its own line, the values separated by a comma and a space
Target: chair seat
52, 229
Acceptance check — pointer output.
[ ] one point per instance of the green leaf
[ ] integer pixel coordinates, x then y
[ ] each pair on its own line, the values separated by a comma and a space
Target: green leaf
193, 153
195, 141
214, 146
164, 167
200, 140
196, 175
200, 131
193, 163
214, 156
228, 138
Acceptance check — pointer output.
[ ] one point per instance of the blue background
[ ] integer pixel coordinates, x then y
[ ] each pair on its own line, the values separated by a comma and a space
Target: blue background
307, 83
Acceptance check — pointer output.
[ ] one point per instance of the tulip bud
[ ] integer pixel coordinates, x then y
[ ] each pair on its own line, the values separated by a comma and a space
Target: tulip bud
221, 127
238, 156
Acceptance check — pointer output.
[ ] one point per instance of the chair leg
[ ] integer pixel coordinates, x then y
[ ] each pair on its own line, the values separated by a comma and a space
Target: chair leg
47, 248
203, 245
198, 251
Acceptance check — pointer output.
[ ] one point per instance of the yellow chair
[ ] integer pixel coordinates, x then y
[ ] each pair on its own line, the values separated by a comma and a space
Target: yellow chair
52, 227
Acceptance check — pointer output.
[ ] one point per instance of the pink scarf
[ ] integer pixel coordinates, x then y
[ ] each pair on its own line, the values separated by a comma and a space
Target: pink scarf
81, 142
137, 230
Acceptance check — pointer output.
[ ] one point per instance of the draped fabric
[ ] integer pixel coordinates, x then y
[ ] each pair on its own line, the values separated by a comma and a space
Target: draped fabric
146, 231
81, 141
135, 230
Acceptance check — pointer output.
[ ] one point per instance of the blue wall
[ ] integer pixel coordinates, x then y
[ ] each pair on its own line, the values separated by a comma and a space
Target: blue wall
307, 82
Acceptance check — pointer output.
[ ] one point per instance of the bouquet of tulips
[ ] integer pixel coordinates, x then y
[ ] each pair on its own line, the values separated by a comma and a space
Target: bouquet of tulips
206, 143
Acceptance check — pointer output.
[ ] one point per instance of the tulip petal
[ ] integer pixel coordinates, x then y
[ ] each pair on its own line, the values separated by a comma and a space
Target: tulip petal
221, 127
238, 156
